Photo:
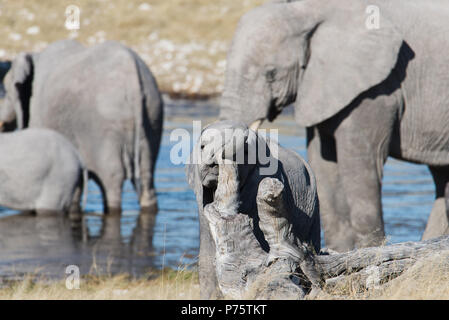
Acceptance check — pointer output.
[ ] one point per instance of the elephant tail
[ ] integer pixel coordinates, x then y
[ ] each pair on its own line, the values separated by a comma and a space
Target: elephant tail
85, 188
138, 127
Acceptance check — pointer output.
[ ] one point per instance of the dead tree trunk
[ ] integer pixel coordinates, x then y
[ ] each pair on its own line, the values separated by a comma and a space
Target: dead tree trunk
290, 270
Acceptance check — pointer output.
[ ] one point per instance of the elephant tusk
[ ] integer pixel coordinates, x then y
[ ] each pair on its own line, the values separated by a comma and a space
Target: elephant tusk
256, 124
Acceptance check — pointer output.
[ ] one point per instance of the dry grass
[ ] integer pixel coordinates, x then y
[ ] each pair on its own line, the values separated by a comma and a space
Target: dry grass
183, 41
166, 285
428, 279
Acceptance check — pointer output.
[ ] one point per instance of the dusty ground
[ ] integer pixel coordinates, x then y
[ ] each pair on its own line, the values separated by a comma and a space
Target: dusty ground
183, 41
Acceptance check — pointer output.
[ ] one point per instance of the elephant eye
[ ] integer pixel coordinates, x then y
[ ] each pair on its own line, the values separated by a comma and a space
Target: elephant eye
270, 75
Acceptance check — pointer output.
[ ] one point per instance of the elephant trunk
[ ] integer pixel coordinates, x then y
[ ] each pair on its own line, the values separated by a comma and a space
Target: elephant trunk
235, 105
229, 106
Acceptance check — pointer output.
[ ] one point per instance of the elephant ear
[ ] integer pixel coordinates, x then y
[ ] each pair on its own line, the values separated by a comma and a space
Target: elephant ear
21, 68
347, 57
21, 72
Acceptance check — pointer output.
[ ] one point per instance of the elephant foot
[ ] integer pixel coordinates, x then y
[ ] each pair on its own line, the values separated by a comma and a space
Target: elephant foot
373, 239
75, 215
28, 213
152, 209
48, 212
148, 200
343, 241
446, 201
438, 224
113, 211
75, 208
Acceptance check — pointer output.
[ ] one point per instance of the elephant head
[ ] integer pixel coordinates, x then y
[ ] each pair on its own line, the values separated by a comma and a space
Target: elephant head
319, 55
219, 142
14, 109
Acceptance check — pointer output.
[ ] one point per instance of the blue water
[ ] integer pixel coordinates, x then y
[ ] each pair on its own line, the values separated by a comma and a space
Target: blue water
133, 243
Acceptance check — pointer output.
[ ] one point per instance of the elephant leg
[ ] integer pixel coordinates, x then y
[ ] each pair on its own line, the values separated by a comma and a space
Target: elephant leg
446, 196
147, 199
148, 202
438, 225
360, 164
111, 174
113, 183
334, 211
364, 134
75, 206
51, 201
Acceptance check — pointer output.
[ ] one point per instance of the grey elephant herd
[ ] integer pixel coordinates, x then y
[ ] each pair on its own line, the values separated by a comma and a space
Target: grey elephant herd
363, 93
106, 103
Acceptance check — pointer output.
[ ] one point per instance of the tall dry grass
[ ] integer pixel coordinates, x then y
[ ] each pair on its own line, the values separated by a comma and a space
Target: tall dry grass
165, 285
427, 279
183, 41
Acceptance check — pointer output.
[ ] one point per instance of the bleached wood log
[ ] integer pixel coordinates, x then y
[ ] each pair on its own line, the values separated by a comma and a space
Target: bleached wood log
290, 269
377, 264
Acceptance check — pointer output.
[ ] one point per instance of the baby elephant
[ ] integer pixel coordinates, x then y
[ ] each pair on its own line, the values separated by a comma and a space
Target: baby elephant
39, 171
272, 187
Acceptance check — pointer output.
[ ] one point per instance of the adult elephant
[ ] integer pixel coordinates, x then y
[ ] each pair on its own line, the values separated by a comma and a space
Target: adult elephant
365, 89
233, 141
104, 99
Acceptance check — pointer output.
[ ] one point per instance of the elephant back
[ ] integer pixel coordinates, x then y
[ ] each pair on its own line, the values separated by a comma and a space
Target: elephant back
50, 59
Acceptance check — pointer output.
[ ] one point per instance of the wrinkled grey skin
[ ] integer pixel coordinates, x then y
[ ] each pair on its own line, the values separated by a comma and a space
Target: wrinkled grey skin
39, 171
104, 99
364, 94
300, 196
